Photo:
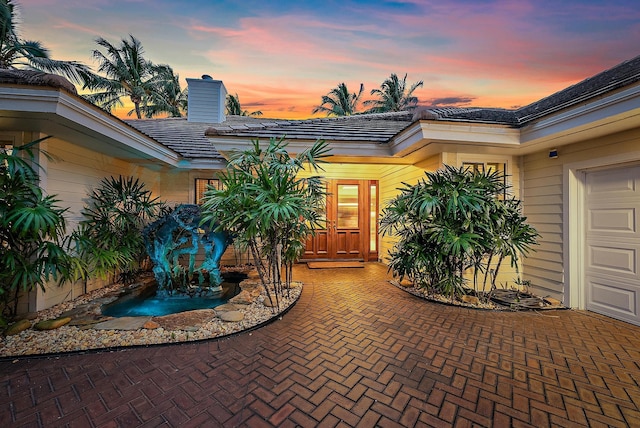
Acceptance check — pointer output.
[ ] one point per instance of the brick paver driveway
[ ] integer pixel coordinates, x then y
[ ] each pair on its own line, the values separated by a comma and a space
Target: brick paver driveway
354, 351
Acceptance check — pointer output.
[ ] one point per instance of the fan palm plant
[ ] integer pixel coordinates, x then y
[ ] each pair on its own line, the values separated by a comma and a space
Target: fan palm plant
339, 101
267, 207
109, 238
394, 95
16, 52
31, 229
451, 221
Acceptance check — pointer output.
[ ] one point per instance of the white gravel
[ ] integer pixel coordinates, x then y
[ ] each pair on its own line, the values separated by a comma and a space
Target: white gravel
71, 338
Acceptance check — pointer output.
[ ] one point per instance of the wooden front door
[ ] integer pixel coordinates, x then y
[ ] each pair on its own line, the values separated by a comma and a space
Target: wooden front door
345, 235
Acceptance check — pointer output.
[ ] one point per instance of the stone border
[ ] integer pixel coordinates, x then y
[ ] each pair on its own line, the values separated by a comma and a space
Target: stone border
69, 340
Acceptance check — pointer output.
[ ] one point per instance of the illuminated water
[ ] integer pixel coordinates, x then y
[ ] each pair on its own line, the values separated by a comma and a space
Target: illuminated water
148, 304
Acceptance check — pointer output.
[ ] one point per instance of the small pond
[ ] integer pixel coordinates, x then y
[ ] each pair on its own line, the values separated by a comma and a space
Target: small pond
144, 302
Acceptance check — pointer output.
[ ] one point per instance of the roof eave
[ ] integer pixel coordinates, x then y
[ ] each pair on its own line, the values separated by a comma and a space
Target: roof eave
607, 114
58, 113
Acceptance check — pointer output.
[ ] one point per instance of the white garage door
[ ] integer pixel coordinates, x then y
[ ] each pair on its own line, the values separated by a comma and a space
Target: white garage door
613, 243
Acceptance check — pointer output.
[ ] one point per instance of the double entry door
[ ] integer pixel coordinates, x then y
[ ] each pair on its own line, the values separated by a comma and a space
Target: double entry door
350, 223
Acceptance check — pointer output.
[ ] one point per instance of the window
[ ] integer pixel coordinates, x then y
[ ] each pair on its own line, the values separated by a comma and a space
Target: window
6, 148
373, 217
202, 185
489, 167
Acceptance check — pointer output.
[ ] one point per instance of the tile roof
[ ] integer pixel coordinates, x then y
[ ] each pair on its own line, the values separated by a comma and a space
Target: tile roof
621, 75
190, 140
379, 127
186, 138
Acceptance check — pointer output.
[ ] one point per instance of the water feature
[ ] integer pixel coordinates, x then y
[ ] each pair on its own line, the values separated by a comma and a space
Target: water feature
145, 302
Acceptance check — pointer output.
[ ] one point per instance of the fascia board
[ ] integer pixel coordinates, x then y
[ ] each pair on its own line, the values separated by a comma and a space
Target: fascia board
84, 118
204, 164
426, 132
613, 113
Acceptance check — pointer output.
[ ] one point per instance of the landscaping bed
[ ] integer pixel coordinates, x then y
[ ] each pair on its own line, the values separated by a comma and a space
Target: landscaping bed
89, 330
500, 300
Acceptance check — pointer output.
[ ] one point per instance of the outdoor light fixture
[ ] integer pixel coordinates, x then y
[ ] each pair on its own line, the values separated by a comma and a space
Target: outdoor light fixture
553, 153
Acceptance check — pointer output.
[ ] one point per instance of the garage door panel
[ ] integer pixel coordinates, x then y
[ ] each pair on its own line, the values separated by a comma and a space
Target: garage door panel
617, 260
617, 220
616, 299
612, 244
609, 183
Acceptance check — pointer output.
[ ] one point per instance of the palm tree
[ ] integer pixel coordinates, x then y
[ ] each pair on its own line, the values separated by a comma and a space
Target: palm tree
394, 96
339, 102
168, 96
127, 73
17, 53
235, 109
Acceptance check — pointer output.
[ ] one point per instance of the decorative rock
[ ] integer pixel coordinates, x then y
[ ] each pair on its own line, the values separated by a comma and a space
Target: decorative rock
150, 325
472, 300
72, 338
122, 323
17, 327
243, 298
232, 316
253, 274
270, 303
293, 284
186, 320
227, 307
254, 288
52, 324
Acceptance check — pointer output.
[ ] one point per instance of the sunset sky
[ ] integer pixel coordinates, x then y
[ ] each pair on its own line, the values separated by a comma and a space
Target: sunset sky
281, 56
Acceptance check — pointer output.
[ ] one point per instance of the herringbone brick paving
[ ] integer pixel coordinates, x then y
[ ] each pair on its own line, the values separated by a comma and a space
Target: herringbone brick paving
354, 352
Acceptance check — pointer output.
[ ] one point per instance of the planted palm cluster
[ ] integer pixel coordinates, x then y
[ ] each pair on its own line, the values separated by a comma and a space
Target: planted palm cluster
109, 239
268, 208
456, 228
32, 228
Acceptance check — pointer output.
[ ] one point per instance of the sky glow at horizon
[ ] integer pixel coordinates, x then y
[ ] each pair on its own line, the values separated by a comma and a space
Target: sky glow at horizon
281, 57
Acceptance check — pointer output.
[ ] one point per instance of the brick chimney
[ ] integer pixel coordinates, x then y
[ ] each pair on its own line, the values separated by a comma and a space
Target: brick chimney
206, 100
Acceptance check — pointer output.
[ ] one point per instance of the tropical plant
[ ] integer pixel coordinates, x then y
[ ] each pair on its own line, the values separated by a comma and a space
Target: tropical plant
267, 208
453, 220
16, 52
394, 95
152, 89
32, 228
234, 108
168, 97
339, 101
109, 238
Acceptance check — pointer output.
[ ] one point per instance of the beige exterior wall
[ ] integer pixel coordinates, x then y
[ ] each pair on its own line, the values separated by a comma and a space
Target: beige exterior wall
392, 179
544, 184
71, 174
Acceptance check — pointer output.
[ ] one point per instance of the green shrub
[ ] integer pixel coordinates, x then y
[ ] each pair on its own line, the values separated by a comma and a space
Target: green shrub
267, 208
109, 239
451, 221
32, 229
